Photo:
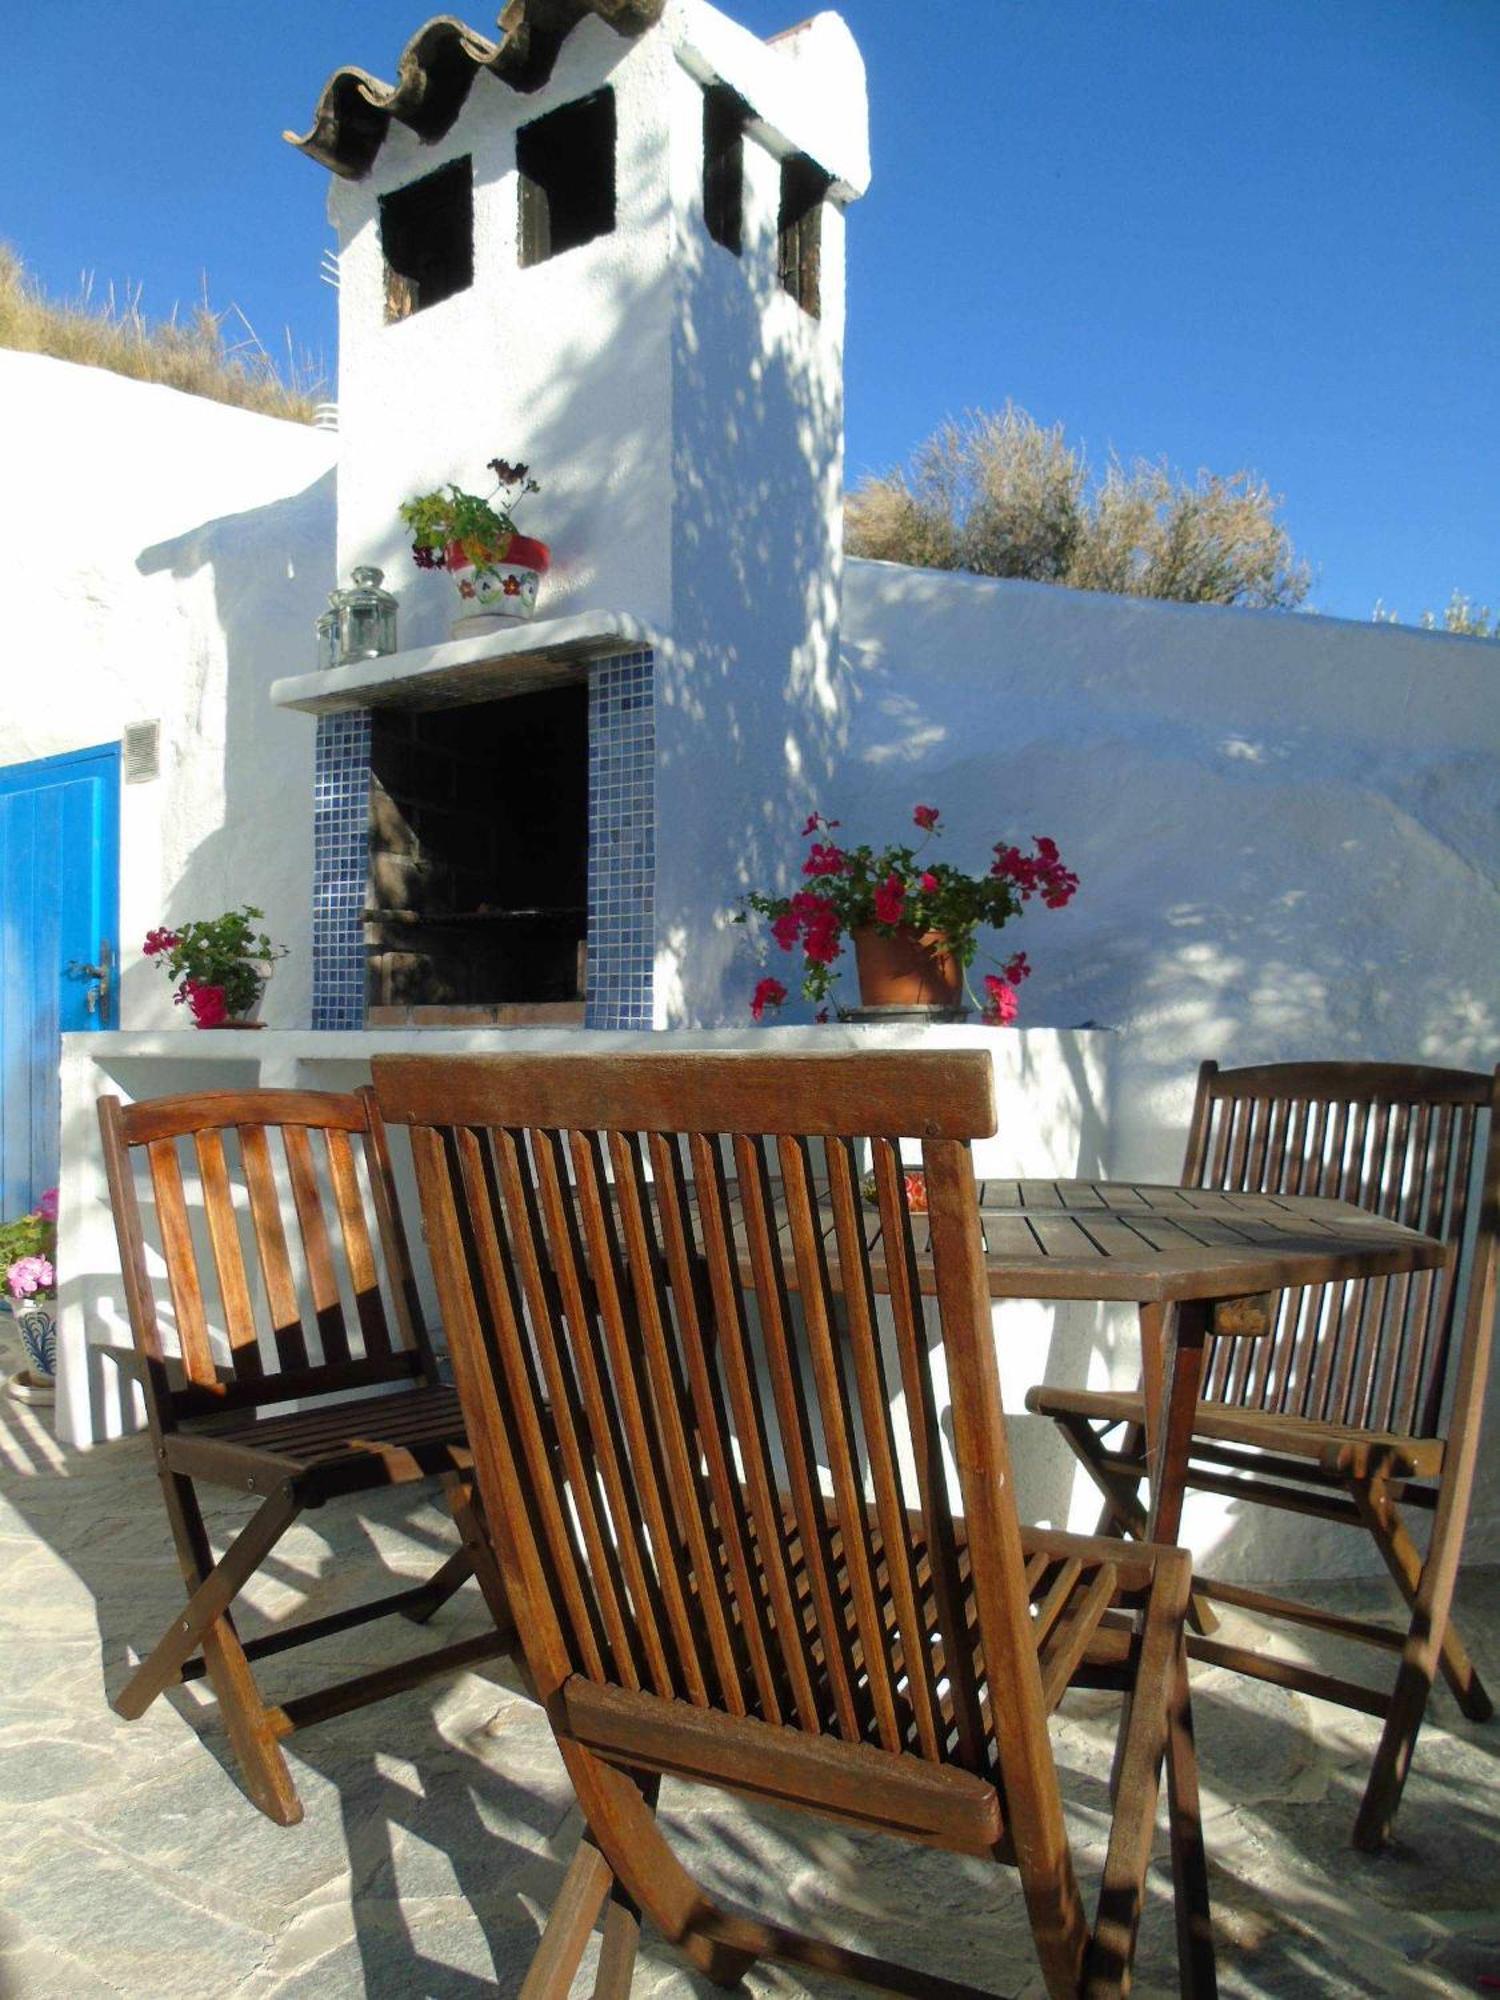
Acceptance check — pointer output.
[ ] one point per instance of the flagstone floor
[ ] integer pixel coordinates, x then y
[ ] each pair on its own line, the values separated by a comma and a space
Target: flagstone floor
438, 1824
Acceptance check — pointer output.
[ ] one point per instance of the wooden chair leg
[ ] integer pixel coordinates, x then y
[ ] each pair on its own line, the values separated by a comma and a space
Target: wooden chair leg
1387, 1780
249, 1727
441, 1585
208, 1603
1404, 1561
622, 1936
1157, 1724
1123, 1513
1195, 1945
246, 1719
622, 1818
468, 1515
560, 1953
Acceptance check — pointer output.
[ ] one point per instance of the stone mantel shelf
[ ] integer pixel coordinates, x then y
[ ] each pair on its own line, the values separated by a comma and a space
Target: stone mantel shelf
520, 658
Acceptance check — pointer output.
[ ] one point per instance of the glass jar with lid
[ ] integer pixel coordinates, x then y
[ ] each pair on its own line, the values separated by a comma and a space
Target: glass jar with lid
366, 617
327, 629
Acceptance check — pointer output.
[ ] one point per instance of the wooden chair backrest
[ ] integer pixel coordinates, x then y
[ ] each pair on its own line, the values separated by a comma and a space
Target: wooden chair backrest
262, 1202
1418, 1145
618, 1243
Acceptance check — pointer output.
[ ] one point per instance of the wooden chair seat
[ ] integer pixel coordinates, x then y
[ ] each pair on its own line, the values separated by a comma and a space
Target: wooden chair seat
1268, 1430
344, 1447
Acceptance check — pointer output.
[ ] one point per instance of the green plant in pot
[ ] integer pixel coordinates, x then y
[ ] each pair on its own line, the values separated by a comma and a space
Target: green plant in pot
914, 920
220, 966
497, 569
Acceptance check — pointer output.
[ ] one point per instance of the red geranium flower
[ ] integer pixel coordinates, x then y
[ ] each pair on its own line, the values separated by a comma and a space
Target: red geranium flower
824, 860
207, 1003
925, 817
769, 993
890, 900
159, 941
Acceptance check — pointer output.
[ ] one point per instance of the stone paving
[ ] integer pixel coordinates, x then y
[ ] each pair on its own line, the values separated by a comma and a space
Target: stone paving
438, 1823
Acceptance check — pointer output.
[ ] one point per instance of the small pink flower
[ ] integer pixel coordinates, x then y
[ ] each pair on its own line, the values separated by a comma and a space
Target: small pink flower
890, 900
159, 941
928, 884
1003, 1004
30, 1275
769, 993
1017, 969
815, 820
925, 817
786, 929
46, 1208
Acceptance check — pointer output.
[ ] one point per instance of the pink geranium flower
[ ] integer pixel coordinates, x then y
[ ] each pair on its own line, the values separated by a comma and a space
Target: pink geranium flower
1004, 1004
925, 817
30, 1275
46, 1208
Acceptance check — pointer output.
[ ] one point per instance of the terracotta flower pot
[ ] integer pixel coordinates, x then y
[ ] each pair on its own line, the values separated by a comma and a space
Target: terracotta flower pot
901, 969
502, 584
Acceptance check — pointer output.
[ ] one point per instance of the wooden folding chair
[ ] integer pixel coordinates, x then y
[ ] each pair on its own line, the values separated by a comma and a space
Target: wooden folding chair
723, 1511
281, 1168
1361, 1402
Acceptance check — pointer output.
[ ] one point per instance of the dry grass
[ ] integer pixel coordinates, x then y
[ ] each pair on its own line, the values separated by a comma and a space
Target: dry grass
196, 355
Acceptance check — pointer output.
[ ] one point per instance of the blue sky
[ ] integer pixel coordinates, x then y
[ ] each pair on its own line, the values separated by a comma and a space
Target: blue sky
1236, 233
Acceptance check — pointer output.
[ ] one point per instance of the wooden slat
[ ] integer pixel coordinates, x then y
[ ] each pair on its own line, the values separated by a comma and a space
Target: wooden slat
925, 1434
565, 1578
537, 1282
271, 1246
713, 1426
794, 1427
880, 1444
669, 1407
749, 1421
229, 1261
601, 1429
317, 1252
843, 1093
179, 1117
181, 1260
359, 1252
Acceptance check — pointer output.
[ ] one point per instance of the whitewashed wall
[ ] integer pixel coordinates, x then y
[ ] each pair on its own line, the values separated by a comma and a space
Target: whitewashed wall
162, 558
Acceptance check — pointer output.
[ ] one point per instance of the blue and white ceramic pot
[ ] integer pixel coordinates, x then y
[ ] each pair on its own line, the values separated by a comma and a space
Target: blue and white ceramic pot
37, 1319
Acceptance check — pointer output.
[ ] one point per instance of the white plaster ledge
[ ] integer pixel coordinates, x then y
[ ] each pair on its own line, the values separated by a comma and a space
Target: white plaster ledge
539, 653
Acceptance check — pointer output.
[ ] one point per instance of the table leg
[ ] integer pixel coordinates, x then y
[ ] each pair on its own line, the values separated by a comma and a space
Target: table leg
1179, 1339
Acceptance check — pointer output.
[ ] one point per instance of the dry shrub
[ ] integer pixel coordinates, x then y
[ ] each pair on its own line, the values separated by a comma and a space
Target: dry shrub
1002, 495
196, 355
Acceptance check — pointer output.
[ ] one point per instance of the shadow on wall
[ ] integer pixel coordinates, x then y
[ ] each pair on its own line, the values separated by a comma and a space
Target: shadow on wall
1270, 869
753, 709
240, 822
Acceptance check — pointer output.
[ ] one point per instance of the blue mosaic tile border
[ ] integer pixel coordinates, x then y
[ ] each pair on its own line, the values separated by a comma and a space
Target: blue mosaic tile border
341, 861
622, 842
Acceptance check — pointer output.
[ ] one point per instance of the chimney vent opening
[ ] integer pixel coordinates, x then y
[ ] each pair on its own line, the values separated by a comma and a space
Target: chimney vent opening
427, 235
567, 167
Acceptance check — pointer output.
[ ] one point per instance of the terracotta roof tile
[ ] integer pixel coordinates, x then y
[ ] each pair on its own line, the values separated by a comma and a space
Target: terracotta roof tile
436, 69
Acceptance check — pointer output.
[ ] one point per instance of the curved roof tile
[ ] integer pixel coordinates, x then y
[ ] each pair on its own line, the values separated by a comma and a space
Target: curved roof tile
436, 69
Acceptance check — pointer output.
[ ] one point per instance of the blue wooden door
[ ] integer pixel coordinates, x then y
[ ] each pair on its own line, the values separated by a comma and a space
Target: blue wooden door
59, 909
